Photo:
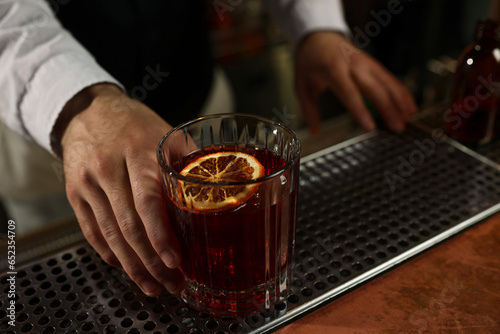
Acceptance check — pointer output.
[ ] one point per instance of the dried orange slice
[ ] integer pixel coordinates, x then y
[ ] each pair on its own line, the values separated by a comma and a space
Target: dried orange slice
220, 167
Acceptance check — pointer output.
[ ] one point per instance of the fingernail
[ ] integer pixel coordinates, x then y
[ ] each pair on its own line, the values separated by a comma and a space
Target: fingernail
397, 127
149, 287
368, 124
169, 259
174, 288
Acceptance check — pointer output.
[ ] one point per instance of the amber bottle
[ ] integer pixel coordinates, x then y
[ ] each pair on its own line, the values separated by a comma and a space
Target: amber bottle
472, 117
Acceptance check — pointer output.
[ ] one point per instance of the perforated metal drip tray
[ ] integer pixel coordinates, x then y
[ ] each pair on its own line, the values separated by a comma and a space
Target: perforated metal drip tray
364, 206
435, 119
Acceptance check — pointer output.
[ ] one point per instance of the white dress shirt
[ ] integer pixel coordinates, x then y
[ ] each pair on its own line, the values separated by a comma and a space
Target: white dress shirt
42, 66
299, 18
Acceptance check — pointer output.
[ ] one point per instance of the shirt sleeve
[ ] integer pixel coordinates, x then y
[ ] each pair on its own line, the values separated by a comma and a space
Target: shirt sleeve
298, 18
41, 68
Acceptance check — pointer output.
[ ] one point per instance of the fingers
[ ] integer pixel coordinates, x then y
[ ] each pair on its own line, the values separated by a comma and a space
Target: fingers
388, 95
352, 98
327, 60
111, 225
400, 95
126, 234
92, 233
148, 201
381, 98
309, 107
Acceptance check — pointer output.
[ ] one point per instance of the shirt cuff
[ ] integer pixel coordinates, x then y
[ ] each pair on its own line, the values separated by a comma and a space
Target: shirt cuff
47, 93
302, 17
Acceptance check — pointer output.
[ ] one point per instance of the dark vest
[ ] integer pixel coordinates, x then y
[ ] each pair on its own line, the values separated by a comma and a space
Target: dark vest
140, 41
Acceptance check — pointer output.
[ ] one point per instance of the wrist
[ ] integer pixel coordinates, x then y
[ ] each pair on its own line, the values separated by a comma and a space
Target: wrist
322, 36
78, 103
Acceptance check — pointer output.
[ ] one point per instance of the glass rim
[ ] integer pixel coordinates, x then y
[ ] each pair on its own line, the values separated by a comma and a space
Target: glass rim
261, 179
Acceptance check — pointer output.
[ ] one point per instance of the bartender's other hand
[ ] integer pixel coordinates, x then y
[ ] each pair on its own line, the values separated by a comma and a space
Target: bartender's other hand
113, 184
327, 60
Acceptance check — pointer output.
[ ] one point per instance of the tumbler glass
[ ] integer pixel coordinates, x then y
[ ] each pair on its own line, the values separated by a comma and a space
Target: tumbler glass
236, 232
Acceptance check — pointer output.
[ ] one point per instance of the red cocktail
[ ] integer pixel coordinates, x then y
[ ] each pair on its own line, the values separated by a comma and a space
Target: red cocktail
232, 206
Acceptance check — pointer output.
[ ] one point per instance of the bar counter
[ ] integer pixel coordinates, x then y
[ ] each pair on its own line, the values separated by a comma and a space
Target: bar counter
395, 234
452, 288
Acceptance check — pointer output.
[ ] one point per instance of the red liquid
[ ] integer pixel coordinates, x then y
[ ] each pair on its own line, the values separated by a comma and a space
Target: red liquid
230, 255
475, 94
472, 125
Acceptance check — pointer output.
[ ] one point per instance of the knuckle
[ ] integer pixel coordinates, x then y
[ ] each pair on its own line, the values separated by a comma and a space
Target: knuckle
91, 235
130, 228
155, 267
110, 258
90, 232
79, 177
110, 234
142, 202
94, 238
102, 166
159, 239
72, 193
135, 271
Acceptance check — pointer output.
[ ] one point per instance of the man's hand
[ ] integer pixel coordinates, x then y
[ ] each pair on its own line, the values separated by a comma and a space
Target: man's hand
327, 60
113, 183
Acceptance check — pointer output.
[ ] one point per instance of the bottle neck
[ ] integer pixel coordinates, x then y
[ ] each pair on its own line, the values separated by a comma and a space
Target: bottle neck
487, 31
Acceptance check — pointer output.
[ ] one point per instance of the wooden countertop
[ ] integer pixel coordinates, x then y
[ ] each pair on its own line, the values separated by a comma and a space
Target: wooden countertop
452, 288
